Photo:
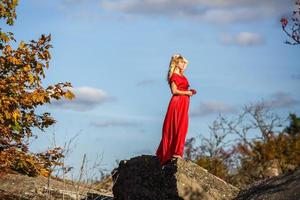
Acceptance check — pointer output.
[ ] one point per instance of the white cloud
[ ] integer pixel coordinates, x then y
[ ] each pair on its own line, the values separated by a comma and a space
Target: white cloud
73, 1
216, 11
212, 107
86, 98
277, 100
224, 16
242, 39
114, 122
295, 76
282, 100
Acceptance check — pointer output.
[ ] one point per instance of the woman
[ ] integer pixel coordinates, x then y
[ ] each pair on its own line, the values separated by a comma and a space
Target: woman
176, 120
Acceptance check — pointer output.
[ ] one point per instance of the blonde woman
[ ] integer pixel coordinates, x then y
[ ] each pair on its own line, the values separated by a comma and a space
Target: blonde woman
176, 120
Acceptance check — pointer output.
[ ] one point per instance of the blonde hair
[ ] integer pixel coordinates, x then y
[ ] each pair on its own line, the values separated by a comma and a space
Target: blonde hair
173, 63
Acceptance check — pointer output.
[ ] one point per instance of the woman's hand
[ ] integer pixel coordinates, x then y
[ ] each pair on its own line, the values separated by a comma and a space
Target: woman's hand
191, 92
175, 91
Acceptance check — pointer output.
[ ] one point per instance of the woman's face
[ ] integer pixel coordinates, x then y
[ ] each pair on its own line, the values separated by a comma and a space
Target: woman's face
182, 65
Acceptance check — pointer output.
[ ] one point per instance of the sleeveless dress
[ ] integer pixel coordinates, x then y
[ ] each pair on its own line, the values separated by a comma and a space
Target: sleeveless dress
175, 125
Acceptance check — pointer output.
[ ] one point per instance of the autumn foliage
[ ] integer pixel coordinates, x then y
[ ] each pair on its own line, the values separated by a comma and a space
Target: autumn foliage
21, 91
242, 160
277, 155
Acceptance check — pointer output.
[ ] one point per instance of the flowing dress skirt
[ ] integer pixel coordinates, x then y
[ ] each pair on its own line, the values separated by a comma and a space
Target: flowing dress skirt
174, 130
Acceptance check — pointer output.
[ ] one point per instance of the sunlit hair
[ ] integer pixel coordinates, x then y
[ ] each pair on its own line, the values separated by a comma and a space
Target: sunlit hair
173, 63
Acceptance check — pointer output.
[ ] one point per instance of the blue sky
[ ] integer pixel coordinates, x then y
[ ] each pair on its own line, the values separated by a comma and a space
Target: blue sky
116, 55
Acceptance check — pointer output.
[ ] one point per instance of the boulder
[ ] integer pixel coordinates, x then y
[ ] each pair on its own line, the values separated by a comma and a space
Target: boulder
17, 186
283, 187
143, 178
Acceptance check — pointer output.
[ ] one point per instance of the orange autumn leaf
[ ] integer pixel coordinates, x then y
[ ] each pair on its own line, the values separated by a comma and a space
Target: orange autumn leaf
21, 91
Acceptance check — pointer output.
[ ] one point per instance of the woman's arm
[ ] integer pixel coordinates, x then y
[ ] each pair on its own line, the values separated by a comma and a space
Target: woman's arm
174, 90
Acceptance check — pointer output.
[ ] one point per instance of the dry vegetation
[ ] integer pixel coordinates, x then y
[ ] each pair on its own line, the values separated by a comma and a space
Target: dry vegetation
252, 147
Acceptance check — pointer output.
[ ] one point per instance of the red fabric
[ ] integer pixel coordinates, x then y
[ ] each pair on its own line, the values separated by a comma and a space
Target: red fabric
175, 124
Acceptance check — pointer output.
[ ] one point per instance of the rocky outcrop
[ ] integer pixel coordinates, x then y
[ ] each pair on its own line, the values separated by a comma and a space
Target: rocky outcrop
17, 186
283, 187
142, 178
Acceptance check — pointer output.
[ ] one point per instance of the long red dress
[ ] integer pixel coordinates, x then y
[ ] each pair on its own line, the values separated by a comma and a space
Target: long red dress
175, 124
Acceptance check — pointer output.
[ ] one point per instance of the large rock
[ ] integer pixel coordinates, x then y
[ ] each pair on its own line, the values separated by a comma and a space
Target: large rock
142, 178
283, 187
16, 186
